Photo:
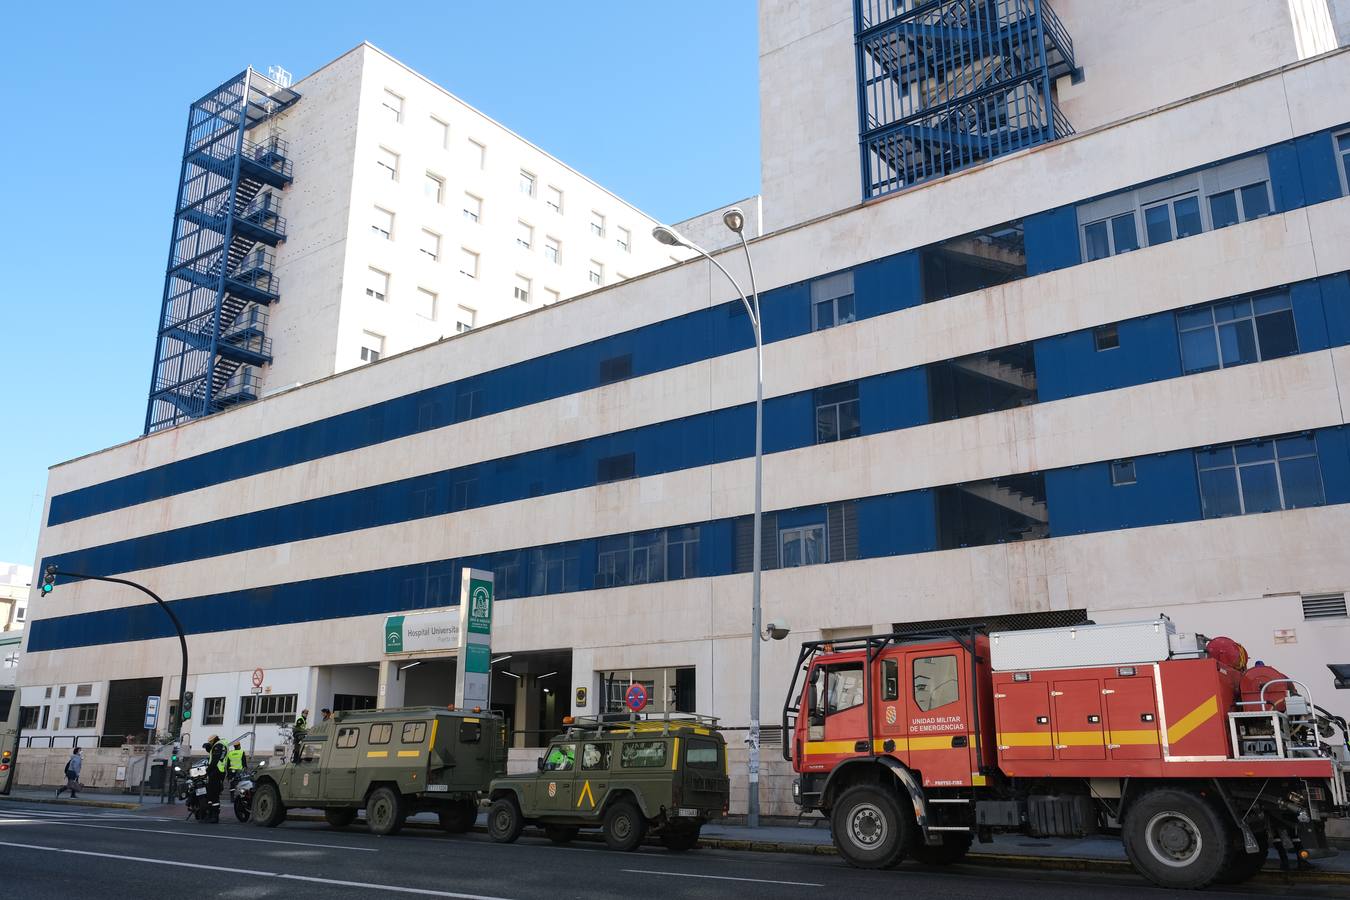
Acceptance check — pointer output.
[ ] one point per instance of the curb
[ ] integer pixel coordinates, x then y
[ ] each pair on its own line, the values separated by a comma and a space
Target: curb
982, 860
98, 804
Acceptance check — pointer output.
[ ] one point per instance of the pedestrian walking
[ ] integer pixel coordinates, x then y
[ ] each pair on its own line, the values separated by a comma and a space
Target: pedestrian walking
73, 767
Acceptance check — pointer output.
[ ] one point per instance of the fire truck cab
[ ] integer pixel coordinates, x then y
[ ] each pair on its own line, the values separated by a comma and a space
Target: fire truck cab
914, 745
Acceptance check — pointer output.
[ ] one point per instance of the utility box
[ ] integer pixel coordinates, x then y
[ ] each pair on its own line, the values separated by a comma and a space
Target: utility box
1082, 645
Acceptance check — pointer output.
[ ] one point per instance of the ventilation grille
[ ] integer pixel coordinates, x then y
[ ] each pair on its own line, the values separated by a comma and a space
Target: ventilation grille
1324, 606
1006, 622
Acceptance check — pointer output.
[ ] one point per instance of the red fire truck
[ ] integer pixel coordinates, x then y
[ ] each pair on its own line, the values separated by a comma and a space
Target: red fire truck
916, 744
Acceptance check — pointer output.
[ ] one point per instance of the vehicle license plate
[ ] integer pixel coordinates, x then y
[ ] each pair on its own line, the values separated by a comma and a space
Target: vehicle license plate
201, 791
438, 788
691, 813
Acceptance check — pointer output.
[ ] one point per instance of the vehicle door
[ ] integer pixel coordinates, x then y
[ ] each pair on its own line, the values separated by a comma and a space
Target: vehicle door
307, 774
339, 777
703, 775
553, 793
592, 781
836, 714
890, 725
939, 714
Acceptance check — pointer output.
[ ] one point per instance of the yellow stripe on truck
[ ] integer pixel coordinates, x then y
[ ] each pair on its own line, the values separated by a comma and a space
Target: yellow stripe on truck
1193, 720
377, 754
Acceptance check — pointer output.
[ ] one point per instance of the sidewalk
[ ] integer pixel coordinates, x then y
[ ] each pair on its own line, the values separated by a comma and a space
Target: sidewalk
1103, 853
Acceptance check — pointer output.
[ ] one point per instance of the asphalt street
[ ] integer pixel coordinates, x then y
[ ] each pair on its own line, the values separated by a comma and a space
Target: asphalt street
52, 851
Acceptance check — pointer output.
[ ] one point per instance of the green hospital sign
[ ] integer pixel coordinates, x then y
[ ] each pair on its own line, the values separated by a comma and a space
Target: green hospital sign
480, 606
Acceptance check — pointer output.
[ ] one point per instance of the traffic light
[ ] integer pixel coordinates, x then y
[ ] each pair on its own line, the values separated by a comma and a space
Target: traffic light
187, 705
49, 580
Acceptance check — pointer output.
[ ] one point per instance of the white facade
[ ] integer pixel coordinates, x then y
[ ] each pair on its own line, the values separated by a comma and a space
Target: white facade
1246, 575
15, 580
413, 217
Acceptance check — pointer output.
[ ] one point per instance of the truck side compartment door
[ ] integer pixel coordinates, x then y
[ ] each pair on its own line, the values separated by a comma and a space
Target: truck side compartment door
1078, 726
1023, 715
339, 781
1132, 717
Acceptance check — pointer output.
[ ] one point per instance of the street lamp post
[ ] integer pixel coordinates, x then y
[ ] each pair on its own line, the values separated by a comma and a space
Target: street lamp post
52, 572
734, 219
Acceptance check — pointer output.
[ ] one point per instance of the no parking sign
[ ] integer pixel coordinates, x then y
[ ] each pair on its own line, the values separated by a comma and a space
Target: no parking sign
636, 698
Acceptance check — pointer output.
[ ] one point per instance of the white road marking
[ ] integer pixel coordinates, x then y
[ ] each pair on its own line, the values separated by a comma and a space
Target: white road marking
721, 877
365, 885
217, 837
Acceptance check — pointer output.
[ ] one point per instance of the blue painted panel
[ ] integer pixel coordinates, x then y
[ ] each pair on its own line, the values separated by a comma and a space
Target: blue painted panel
887, 285
1317, 160
895, 524
1081, 499
786, 311
1070, 365
1336, 307
1286, 176
1333, 452
801, 515
893, 401
1051, 239
1310, 322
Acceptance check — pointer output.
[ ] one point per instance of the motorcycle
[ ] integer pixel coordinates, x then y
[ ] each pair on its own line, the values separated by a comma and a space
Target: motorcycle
241, 793
192, 789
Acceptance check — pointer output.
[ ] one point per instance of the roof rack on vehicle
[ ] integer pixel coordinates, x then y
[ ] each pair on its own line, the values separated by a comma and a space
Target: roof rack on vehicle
641, 723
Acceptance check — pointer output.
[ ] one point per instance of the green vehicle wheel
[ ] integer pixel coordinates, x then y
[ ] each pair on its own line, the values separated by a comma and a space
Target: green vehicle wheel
268, 810
624, 826
384, 811
505, 823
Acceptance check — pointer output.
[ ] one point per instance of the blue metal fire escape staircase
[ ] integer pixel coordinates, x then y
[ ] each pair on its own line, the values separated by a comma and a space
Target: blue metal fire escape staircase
221, 273
945, 84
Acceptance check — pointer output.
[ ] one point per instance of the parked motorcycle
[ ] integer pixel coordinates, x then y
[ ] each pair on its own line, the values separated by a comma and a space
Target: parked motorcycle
241, 793
192, 789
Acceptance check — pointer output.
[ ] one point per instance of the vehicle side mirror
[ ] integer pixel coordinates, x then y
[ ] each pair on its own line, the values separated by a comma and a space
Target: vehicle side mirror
539, 763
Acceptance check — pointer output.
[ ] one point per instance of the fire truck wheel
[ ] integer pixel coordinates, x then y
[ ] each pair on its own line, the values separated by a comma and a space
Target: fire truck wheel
1176, 839
953, 849
870, 829
1244, 865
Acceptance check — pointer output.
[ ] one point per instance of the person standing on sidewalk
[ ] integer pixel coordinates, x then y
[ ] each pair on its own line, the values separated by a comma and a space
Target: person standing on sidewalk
215, 777
73, 767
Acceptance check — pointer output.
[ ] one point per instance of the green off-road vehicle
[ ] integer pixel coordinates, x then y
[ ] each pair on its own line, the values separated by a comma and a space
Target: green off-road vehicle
624, 776
391, 763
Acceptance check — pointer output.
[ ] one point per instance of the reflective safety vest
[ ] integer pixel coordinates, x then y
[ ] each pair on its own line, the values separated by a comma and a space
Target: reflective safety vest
301, 724
235, 759
218, 746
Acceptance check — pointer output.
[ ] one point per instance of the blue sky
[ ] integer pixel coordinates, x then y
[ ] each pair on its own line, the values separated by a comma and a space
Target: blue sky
657, 102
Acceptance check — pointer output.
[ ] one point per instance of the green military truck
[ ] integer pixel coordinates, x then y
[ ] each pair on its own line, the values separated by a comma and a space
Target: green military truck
625, 776
391, 763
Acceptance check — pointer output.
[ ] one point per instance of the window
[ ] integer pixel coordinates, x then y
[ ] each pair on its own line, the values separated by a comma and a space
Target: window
616, 368
643, 755
890, 679
553, 250
465, 318
595, 272
624, 238
440, 133
1111, 236
82, 715
393, 105
372, 346
1343, 152
832, 301
554, 570
1175, 218
473, 207
430, 243
381, 733
524, 235
465, 495
973, 261
1324, 606
802, 546
701, 754
843, 690
388, 161
84, 690
477, 154
48, 694
28, 717
470, 731
1239, 205
426, 303
616, 468
632, 559
413, 733
433, 188
561, 758
213, 712
837, 413
595, 757
1259, 476
468, 263
522, 289
682, 552
1106, 337
1236, 332
981, 383
551, 296
553, 198
936, 682
382, 223
310, 751
377, 283
992, 511
272, 709
526, 183
61, 691
597, 224
1122, 472
347, 738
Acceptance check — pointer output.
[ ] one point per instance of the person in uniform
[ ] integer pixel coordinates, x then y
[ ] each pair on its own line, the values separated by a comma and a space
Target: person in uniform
298, 731
215, 776
236, 760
